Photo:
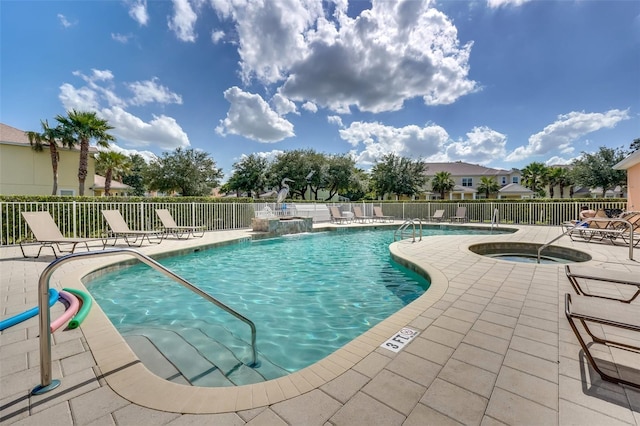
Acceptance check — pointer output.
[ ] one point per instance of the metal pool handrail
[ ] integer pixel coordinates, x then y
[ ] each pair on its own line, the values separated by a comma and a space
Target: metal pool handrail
405, 225
47, 383
624, 222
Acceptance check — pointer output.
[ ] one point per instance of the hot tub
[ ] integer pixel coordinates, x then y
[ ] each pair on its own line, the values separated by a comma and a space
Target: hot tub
528, 252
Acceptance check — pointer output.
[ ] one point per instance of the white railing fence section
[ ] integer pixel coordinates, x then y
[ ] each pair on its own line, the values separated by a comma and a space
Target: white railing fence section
84, 219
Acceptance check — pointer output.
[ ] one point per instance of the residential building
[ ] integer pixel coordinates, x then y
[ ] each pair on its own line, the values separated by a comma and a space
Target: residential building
24, 171
632, 165
467, 178
118, 189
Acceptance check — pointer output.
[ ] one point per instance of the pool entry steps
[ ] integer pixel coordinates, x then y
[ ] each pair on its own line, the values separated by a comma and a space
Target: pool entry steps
173, 355
47, 383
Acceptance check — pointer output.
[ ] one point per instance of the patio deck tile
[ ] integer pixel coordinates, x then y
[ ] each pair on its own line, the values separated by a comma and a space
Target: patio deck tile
492, 334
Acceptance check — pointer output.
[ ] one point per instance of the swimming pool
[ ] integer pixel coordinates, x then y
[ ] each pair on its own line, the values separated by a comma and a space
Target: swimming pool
308, 295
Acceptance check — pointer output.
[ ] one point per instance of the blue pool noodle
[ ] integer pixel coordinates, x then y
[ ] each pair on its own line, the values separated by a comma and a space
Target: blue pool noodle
53, 296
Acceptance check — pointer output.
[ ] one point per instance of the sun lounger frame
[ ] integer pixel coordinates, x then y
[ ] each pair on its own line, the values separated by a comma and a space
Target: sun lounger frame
617, 312
179, 231
337, 216
54, 238
119, 228
379, 215
614, 278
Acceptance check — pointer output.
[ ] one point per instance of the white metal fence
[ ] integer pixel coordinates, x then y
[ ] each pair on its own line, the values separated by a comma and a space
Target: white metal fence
84, 219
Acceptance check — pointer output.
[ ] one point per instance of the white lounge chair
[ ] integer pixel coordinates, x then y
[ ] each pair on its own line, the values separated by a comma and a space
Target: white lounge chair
119, 228
359, 216
170, 226
337, 216
461, 215
47, 233
377, 214
438, 215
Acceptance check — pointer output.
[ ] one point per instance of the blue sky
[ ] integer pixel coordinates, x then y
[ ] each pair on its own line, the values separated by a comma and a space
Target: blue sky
500, 83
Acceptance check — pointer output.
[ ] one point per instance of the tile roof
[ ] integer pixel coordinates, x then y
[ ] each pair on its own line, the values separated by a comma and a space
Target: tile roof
515, 188
459, 168
12, 135
98, 183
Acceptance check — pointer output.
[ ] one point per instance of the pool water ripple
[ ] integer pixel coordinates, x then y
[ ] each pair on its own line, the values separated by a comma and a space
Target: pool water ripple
308, 295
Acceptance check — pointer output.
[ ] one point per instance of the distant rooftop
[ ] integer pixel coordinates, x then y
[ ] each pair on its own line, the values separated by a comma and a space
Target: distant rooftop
458, 168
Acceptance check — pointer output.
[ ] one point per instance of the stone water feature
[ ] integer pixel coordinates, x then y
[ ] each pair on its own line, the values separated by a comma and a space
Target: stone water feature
276, 226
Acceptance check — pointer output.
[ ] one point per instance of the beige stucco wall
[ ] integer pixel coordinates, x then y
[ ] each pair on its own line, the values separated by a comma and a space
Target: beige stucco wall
24, 171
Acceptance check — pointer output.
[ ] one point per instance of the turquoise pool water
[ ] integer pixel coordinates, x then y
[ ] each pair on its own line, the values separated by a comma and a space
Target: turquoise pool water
308, 295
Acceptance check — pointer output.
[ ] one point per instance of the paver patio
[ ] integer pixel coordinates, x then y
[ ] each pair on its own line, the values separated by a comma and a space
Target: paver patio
494, 348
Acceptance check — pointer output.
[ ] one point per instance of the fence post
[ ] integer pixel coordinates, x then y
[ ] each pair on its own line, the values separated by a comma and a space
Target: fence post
142, 215
193, 213
75, 217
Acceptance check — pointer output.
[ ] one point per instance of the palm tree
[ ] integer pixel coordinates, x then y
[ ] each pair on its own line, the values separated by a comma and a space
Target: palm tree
488, 185
79, 128
112, 164
48, 137
442, 182
534, 177
561, 177
566, 180
553, 179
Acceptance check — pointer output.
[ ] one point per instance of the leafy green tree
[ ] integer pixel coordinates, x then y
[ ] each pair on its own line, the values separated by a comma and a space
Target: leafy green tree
113, 165
535, 177
49, 136
488, 185
394, 174
249, 175
635, 145
596, 170
339, 174
358, 185
188, 172
80, 128
135, 176
442, 182
297, 165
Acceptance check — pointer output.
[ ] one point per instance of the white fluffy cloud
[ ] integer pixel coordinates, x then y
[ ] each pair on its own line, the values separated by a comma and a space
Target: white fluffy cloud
151, 91
217, 36
161, 131
482, 146
393, 52
99, 94
183, 20
567, 130
558, 161
378, 140
373, 140
250, 116
335, 119
282, 105
138, 11
148, 156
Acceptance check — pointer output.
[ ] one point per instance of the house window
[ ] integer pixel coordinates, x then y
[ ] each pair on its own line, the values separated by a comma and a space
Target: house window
514, 179
467, 182
67, 192
504, 180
